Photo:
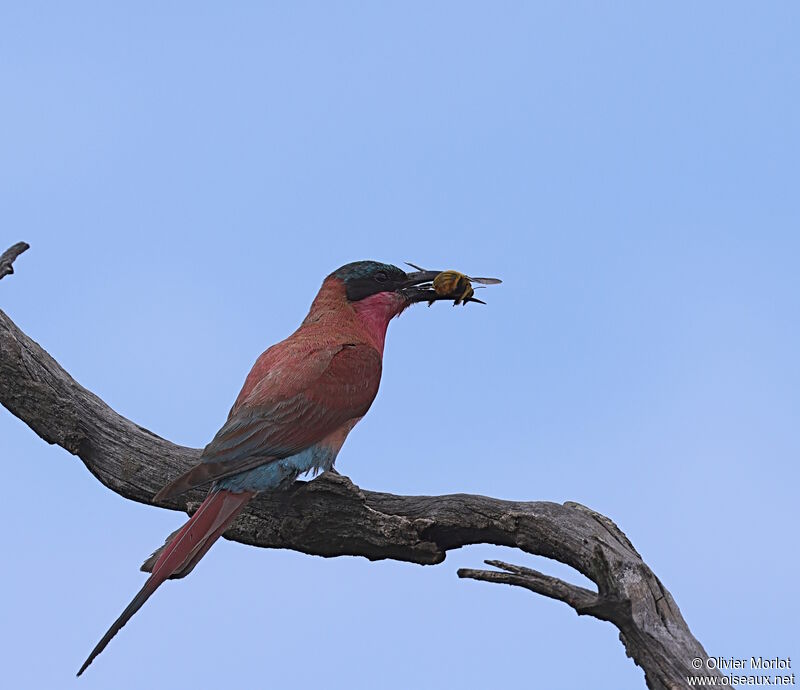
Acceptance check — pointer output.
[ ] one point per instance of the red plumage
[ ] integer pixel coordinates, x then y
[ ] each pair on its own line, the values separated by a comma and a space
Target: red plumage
187, 546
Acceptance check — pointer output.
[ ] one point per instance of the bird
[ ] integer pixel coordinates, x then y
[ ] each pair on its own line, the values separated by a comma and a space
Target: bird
299, 402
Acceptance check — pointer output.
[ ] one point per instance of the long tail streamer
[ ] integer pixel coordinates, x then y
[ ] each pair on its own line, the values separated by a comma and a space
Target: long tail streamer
182, 553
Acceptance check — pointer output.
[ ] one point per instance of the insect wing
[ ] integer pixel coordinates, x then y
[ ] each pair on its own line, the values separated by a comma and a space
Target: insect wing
486, 281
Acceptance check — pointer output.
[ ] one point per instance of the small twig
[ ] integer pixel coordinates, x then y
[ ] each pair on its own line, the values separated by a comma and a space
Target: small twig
9, 256
578, 598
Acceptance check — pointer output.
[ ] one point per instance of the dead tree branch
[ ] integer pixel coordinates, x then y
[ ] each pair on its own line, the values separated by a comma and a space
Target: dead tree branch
331, 516
9, 256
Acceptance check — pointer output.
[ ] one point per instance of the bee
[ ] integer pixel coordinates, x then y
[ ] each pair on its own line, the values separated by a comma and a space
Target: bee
457, 285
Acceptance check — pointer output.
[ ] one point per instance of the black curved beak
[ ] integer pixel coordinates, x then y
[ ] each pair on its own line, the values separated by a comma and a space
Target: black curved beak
418, 286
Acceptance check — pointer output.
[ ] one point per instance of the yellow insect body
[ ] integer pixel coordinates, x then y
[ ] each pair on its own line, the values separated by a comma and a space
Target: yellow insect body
453, 284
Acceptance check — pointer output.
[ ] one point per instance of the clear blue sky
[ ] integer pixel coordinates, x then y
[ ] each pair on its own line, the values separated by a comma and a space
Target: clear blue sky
188, 173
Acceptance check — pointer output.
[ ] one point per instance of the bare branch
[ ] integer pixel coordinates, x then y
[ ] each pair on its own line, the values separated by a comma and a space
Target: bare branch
331, 516
9, 256
579, 598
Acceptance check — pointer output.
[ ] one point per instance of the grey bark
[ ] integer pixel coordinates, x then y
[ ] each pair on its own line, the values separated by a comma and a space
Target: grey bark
8, 257
331, 516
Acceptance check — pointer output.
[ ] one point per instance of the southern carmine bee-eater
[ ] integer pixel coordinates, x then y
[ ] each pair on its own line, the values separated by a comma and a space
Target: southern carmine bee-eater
298, 403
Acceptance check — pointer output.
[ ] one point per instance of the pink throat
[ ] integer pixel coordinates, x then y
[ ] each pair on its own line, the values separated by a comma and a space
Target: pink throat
375, 312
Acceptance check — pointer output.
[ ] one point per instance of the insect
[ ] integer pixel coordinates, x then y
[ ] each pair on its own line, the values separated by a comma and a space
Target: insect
457, 285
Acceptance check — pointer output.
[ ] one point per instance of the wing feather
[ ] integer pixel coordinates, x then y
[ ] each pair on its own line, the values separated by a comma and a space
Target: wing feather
288, 410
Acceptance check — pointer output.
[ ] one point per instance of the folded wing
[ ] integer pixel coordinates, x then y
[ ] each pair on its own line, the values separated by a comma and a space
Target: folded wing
292, 407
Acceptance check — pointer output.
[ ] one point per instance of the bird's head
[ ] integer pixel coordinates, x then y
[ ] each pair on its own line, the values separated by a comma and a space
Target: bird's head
385, 284
378, 292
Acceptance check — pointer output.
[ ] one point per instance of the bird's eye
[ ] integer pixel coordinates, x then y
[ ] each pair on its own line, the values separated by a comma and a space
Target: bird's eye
381, 276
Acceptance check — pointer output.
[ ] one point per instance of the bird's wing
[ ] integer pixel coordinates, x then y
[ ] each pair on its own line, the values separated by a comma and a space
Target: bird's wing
288, 410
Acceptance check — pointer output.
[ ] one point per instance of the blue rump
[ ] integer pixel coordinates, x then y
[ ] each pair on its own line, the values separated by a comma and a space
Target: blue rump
280, 473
